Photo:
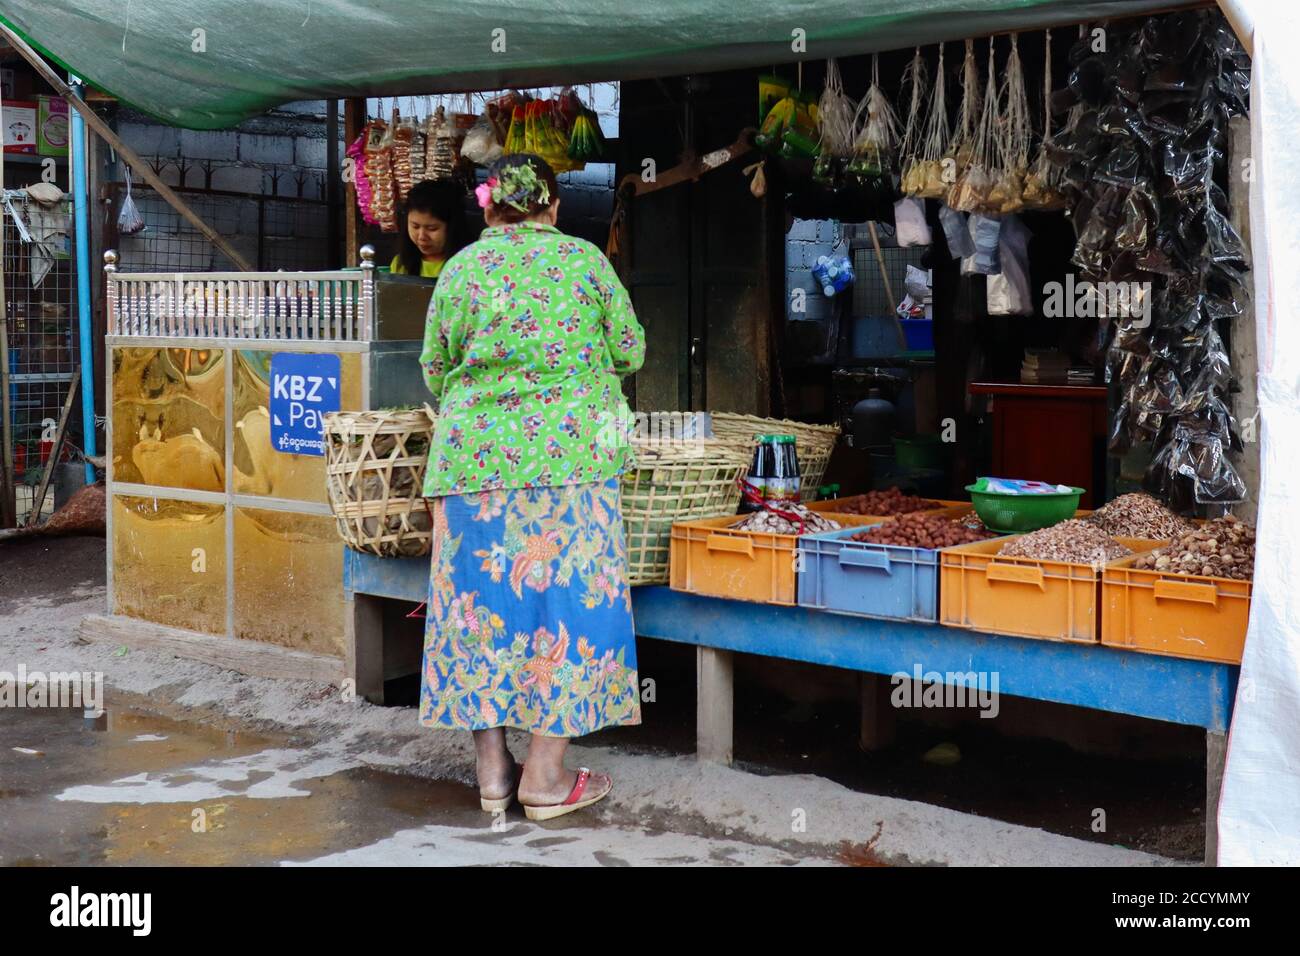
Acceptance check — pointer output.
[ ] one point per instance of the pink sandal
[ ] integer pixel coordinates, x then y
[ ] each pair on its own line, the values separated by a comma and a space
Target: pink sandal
576, 800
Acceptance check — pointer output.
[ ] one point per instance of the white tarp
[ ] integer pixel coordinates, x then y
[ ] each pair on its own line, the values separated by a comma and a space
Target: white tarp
1259, 809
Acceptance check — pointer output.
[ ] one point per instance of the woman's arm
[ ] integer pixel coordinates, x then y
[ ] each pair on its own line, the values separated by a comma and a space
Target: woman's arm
623, 333
434, 359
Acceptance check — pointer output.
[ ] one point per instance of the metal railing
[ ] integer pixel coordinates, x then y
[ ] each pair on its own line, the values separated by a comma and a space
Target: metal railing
314, 306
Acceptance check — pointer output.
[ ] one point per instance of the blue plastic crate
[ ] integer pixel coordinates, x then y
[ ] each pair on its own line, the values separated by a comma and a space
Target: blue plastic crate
867, 580
919, 334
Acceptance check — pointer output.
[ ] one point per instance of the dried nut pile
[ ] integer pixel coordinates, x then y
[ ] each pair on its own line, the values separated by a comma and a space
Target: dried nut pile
1222, 548
891, 501
1140, 516
923, 531
771, 523
1075, 541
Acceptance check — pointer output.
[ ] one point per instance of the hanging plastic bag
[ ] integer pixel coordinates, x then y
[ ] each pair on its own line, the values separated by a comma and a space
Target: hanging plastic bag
915, 81
1012, 138
875, 142
835, 113
971, 191
1010, 292
910, 227
984, 233
955, 231
928, 173
129, 220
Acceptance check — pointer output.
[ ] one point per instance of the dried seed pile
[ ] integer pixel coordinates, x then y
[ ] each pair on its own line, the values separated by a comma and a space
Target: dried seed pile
1075, 541
771, 523
1222, 548
924, 531
1140, 516
891, 501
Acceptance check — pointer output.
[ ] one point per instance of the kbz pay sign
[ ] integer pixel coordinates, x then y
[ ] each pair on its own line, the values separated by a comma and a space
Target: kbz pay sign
304, 389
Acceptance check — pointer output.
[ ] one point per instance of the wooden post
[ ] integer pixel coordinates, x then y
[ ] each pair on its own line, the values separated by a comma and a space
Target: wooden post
363, 646
878, 717
714, 705
1216, 756
354, 119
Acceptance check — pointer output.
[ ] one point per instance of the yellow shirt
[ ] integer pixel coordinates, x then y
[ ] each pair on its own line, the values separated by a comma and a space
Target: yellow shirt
429, 268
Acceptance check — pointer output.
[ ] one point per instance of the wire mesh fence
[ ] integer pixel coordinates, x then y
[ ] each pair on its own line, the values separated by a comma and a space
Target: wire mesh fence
41, 322
271, 232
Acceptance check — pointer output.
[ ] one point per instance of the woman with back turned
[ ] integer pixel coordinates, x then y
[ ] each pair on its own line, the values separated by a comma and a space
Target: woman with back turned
529, 615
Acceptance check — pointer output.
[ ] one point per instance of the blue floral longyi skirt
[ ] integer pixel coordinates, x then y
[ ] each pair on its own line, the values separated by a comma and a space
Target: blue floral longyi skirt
529, 621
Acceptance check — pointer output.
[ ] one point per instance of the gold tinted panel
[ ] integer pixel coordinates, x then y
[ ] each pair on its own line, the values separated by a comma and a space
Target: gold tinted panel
259, 469
169, 562
169, 407
289, 580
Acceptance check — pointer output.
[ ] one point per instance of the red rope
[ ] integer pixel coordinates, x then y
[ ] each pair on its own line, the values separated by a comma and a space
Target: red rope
752, 496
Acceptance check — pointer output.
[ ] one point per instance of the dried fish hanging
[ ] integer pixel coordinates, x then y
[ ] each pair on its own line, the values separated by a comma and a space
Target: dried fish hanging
1043, 186
356, 152
929, 178
379, 173
835, 119
418, 148
970, 193
441, 162
403, 135
875, 141
434, 122
1014, 136
915, 80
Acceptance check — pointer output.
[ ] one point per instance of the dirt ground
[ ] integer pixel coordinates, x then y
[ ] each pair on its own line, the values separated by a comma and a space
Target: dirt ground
1010, 798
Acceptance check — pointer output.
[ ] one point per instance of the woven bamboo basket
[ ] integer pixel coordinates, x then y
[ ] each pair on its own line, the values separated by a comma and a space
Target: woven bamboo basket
814, 443
375, 463
673, 481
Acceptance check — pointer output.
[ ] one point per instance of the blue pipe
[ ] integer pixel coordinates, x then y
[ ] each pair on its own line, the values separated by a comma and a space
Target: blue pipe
81, 210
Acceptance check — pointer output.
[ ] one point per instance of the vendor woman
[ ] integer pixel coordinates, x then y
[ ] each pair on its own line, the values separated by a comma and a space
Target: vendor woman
529, 621
432, 228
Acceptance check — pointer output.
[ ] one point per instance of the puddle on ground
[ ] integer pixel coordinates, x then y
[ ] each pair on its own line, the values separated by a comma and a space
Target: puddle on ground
144, 790
148, 790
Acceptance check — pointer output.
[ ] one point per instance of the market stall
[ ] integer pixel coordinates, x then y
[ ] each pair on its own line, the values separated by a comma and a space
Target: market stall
1136, 612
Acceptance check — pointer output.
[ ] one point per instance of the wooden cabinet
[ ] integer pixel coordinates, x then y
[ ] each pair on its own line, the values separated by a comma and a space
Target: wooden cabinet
1053, 433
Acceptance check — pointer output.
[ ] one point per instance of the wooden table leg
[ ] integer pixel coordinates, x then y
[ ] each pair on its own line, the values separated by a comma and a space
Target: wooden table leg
878, 718
1216, 755
363, 638
713, 725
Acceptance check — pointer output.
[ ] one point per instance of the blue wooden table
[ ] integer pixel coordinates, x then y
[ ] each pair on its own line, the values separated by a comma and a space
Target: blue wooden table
1196, 693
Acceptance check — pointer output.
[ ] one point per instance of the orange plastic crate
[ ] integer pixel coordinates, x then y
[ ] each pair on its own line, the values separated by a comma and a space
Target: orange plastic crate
1179, 615
708, 557
982, 590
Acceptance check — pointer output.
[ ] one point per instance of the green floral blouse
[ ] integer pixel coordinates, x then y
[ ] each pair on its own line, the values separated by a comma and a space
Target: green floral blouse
527, 334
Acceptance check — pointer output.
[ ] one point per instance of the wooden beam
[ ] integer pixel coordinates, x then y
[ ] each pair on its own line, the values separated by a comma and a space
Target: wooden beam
690, 169
354, 119
8, 495
143, 169
1216, 758
714, 704
248, 657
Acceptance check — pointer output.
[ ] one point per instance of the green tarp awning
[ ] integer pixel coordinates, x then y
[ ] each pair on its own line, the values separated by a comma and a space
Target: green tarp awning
207, 64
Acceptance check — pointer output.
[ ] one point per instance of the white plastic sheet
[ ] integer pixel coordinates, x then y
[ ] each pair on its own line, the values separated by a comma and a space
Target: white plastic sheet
1259, 809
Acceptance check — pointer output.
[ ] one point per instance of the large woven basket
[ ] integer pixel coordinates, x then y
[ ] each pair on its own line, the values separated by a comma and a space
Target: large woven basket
814, 443
676, 481
375, 474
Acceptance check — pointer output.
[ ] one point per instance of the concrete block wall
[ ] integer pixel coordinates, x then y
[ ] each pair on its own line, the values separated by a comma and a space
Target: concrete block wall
804, 243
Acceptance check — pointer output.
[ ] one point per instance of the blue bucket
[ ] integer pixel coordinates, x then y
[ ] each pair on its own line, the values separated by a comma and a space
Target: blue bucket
919, 334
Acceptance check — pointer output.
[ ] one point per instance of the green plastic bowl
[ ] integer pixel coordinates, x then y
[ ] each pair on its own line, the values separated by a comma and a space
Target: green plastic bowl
1016, 514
